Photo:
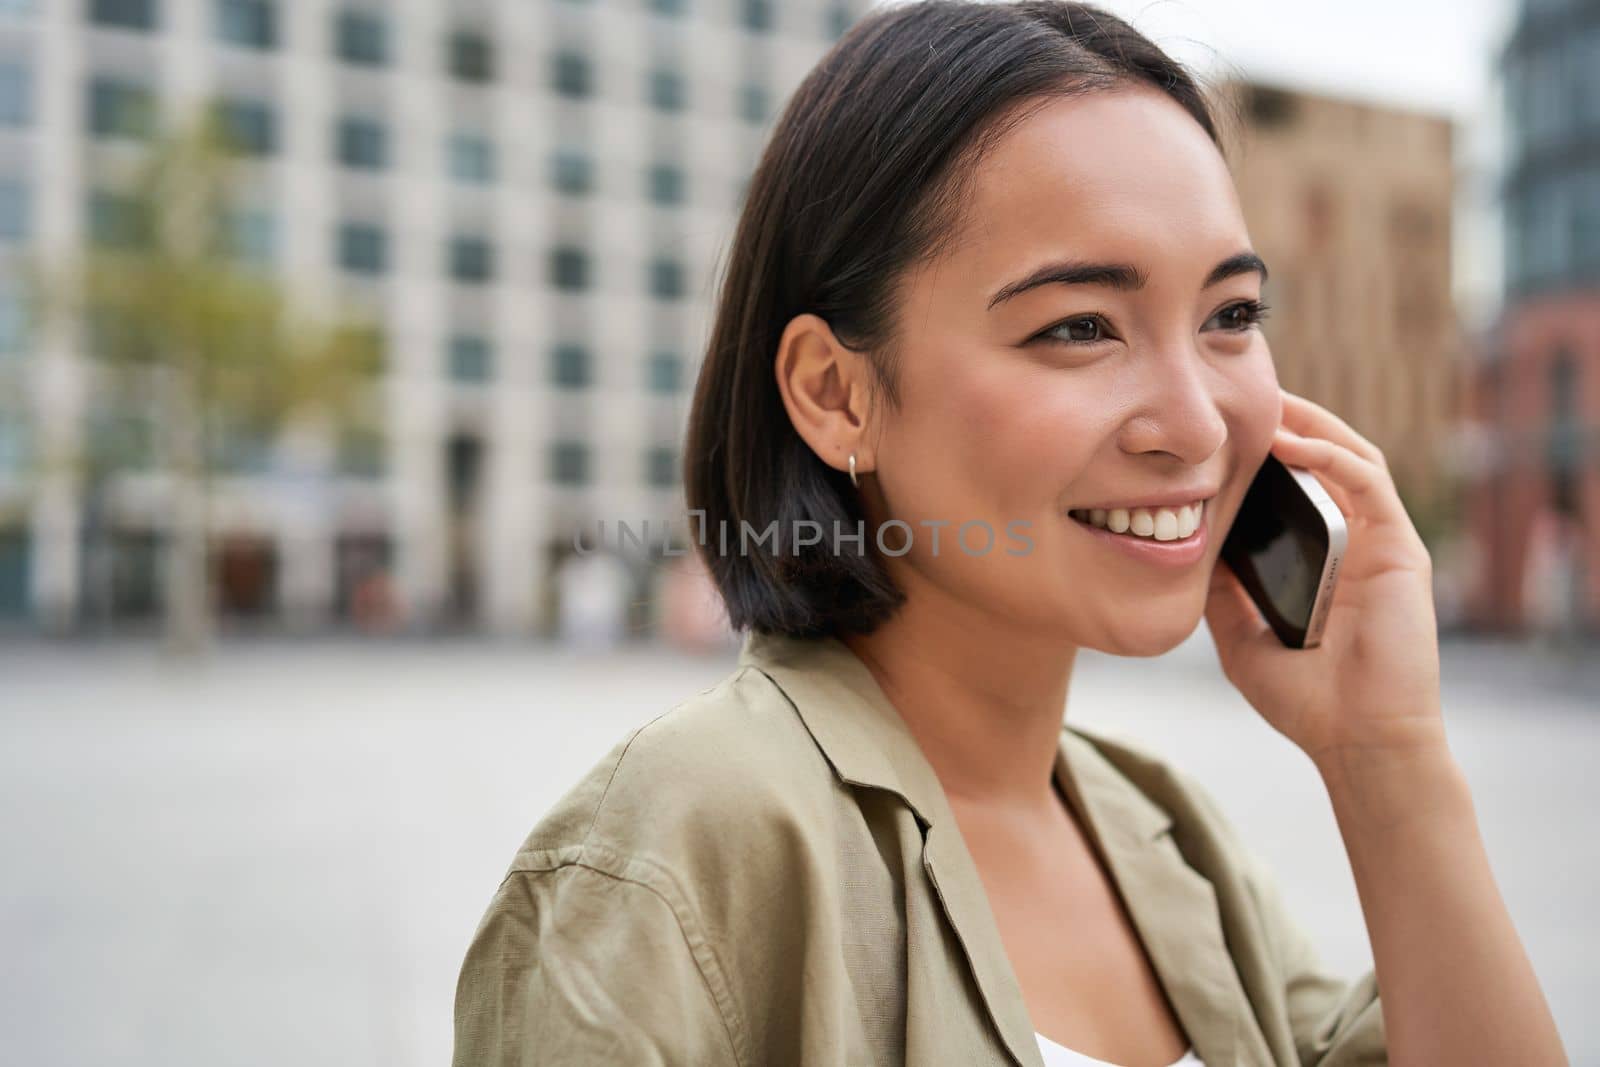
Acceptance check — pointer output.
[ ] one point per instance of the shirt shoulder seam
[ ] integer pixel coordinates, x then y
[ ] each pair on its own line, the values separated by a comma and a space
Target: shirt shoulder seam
699, 947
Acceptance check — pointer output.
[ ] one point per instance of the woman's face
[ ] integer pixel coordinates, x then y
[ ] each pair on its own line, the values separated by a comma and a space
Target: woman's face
1020, 408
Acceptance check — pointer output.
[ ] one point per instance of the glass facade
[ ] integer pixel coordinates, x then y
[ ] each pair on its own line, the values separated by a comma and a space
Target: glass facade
1551, 83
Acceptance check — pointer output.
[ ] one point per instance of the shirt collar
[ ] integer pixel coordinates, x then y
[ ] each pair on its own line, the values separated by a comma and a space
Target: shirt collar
867, 743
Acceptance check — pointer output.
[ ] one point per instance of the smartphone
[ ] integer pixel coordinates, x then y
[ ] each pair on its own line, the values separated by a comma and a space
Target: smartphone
1285, 546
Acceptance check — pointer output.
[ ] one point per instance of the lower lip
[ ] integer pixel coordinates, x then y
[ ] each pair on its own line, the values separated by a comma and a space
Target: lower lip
1180, 553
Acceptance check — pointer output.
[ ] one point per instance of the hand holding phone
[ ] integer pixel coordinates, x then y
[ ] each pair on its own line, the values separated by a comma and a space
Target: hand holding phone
1339, 658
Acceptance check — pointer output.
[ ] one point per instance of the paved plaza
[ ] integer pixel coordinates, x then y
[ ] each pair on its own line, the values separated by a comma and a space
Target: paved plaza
277, 856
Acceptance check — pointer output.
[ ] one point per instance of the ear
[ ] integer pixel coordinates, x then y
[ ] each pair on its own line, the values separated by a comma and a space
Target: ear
826, 390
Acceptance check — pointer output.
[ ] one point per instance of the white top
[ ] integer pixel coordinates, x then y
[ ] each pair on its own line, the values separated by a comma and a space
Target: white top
1060, 1056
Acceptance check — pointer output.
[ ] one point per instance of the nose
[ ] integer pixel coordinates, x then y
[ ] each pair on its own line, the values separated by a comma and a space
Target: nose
1179, 413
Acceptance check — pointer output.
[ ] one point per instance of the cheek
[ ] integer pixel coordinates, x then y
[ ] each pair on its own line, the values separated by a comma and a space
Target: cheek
1258, 407
955, 450
1018, 434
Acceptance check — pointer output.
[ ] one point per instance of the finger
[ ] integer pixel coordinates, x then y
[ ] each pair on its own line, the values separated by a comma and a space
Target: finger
1340, 498
1310, 419
1368, 487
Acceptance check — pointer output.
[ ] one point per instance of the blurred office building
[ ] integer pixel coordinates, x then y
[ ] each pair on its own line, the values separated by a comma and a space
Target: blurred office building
530, 198
1535, 501
1350, 204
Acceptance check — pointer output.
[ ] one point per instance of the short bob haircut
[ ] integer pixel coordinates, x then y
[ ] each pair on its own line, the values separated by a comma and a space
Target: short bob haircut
866, 172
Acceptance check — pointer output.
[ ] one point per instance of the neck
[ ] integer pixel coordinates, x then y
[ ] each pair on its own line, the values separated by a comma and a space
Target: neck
984, 701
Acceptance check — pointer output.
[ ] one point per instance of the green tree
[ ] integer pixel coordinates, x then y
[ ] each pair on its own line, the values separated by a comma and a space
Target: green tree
183, 326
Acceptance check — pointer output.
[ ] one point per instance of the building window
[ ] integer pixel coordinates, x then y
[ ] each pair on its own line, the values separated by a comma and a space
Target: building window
121, 109
666, 184
249, 23
572, 172
121, 440
572, 74
754, 103
15, 564
359, 451
117, 221
569, 268
756, 15
569, 463
124, 14
471, 158
16, 94
361, 37
363, 248
661, 467
665, 372
471, 259
251, 126
669, 7
14, 210
666, 278
252, 236
241, 449
667, 90
471, 56
1564, 446
471, 358
570, 366
363, 143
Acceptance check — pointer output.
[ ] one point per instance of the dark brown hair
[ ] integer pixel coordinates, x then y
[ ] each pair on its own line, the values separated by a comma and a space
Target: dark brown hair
865, 173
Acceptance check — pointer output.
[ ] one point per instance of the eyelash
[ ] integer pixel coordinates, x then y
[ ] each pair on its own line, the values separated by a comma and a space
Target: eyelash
1255, 311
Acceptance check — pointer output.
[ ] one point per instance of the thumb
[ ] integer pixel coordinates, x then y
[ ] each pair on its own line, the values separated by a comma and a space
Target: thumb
1242, 636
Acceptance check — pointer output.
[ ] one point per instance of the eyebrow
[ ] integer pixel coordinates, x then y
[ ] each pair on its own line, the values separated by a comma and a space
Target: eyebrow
1120, 276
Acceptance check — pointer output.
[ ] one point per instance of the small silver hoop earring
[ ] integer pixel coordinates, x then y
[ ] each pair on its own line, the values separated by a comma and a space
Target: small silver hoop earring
853, 471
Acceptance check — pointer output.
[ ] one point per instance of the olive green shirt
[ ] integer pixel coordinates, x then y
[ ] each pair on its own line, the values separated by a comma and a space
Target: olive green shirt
769, 873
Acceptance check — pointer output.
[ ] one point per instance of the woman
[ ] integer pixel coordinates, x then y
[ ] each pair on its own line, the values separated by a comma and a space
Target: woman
992, 275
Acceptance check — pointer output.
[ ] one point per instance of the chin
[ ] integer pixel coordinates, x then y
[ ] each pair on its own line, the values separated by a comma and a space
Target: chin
1144, 639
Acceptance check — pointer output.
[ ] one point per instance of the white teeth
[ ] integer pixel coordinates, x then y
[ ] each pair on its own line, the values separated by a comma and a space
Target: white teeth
1160, 524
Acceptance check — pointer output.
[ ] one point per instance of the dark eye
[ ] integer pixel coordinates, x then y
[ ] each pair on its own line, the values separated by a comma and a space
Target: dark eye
1083, 329
1243, 315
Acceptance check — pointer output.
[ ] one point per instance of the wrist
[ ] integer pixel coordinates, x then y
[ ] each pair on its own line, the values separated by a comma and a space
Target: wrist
1384, 788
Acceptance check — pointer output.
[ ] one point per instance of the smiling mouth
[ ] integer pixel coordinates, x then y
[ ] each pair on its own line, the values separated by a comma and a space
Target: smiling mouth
1151, 524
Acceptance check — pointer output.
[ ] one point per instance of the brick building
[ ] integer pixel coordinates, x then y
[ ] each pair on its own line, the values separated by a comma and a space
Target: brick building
1534, 509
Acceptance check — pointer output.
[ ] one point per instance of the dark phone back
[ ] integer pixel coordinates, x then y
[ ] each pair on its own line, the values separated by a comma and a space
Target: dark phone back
1280, 546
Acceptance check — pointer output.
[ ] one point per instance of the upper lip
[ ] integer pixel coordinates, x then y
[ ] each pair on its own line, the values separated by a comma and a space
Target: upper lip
1166, 498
